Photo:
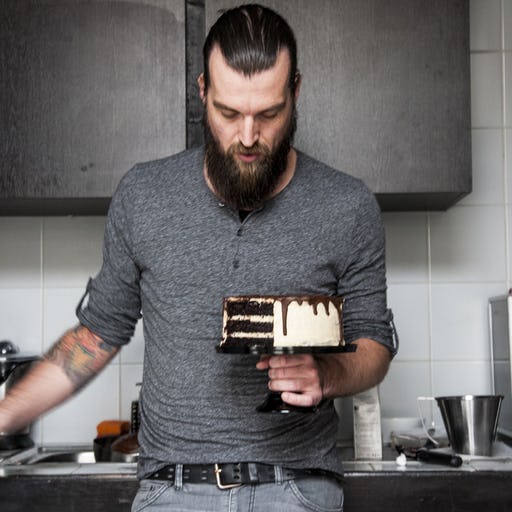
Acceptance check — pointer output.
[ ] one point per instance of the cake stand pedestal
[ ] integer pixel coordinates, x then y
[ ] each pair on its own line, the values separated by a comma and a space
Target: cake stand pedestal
273, 401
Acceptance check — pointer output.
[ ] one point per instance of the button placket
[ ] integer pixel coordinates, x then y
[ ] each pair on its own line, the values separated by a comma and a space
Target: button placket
238, 243
240, 238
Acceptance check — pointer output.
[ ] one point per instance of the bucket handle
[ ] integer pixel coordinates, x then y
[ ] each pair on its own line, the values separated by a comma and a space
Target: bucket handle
418, 401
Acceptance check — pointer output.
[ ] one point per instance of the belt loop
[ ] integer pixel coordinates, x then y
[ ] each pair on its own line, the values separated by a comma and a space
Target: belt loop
278, 471
178, 477
252, 469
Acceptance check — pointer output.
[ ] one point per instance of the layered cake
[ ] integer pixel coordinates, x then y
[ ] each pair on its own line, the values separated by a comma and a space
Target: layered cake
273, 323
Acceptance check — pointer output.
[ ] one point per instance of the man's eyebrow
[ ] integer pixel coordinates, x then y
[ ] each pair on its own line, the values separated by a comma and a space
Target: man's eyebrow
221, 106
277, 107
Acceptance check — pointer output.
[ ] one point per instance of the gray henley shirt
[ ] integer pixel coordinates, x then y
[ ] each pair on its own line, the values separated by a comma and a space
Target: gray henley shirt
172, 251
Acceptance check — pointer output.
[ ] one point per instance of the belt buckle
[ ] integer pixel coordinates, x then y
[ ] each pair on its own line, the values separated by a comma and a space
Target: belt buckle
218, 470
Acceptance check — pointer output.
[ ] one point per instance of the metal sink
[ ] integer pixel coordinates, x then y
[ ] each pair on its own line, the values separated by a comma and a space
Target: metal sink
79, 456
74, 454
64, 460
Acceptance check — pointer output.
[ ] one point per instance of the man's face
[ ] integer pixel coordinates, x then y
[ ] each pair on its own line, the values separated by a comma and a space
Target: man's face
249, 125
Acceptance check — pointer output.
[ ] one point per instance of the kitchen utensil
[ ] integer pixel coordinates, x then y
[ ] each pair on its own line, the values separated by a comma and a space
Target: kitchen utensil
425, 454
471, 422
13, 366
102, 447
10, 359
404, 424
125, 448
434, 456
135, 416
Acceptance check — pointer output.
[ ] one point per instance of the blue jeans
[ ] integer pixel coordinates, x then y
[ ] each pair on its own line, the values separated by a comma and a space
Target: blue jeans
316, 494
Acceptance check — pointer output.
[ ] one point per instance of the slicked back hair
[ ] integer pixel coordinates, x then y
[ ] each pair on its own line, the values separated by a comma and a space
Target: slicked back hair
250, 38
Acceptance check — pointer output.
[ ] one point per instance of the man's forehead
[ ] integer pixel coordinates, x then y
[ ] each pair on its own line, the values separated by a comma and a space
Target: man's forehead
248, 94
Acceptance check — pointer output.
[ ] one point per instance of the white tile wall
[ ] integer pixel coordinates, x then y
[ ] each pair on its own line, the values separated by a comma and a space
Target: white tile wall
507, 23
438, 286
486, 89
487, 155
445, 348
485, 24
508, 85
71, 250
468, 244
404, 383
20, 257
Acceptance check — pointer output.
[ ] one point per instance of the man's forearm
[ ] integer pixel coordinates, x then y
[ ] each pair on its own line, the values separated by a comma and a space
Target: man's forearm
350, 373
68, 366
81, 355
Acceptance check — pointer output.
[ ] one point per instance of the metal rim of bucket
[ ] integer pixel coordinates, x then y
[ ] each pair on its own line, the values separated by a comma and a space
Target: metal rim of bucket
468, 397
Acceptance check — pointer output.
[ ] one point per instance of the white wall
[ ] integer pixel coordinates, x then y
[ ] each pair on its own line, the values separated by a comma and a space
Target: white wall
442, 268
44, 266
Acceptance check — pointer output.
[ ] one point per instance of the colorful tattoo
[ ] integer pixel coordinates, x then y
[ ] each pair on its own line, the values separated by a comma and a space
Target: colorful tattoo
81, 354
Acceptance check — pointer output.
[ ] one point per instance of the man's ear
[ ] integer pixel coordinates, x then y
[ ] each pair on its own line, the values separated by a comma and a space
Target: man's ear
298, 81
202, 91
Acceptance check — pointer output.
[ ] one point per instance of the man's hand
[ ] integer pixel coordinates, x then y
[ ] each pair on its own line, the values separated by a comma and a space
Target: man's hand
296, 376
306, 380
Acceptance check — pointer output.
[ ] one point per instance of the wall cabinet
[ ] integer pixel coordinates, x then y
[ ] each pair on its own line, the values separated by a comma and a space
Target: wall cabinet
385, 93
89, 88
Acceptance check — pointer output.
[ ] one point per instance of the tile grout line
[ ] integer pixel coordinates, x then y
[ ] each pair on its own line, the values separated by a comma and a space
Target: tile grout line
504, 144
430, 329
43, 306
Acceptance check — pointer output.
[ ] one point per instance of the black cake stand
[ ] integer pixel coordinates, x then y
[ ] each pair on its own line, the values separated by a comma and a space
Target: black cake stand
273, 401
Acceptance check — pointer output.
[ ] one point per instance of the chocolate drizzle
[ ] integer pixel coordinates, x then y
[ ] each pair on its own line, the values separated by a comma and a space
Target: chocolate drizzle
315, 301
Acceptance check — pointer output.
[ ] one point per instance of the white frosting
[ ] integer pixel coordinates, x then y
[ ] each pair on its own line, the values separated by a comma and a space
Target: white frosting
304, 327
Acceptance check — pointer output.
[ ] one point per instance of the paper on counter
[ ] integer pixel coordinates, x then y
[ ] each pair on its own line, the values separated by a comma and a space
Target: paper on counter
367, 427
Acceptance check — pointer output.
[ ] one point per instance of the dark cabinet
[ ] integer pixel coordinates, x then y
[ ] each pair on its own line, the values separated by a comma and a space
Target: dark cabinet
385, 93
89, 88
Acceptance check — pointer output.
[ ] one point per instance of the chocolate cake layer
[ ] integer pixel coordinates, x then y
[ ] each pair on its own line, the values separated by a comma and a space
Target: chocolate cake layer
246, 326
248, 341
249, 307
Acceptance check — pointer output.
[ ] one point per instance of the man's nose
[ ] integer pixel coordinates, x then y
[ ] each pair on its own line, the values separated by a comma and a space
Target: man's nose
249, 132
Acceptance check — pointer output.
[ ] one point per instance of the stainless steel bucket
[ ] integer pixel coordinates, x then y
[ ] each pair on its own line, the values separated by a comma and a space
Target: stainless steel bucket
471, 422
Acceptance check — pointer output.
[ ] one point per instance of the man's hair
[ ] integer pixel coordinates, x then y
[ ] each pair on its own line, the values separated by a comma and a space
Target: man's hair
250, 38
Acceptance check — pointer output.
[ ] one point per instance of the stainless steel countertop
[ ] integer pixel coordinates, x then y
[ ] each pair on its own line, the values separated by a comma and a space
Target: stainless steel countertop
16, 465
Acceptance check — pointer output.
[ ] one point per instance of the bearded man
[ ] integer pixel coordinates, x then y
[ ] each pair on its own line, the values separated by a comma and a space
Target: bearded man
247, 214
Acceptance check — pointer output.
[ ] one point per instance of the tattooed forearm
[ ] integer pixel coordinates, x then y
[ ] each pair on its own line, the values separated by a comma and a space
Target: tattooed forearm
81, 354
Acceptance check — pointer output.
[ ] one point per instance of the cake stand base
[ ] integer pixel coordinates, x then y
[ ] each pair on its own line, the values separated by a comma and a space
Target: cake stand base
263, 348
273, 401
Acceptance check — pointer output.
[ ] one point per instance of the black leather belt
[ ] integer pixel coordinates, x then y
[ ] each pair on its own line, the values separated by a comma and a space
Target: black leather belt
227, 476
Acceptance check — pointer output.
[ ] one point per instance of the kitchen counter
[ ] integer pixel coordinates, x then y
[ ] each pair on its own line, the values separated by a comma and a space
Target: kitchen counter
370, 486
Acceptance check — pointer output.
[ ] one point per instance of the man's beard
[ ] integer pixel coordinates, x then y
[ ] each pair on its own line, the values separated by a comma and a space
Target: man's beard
246, 186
